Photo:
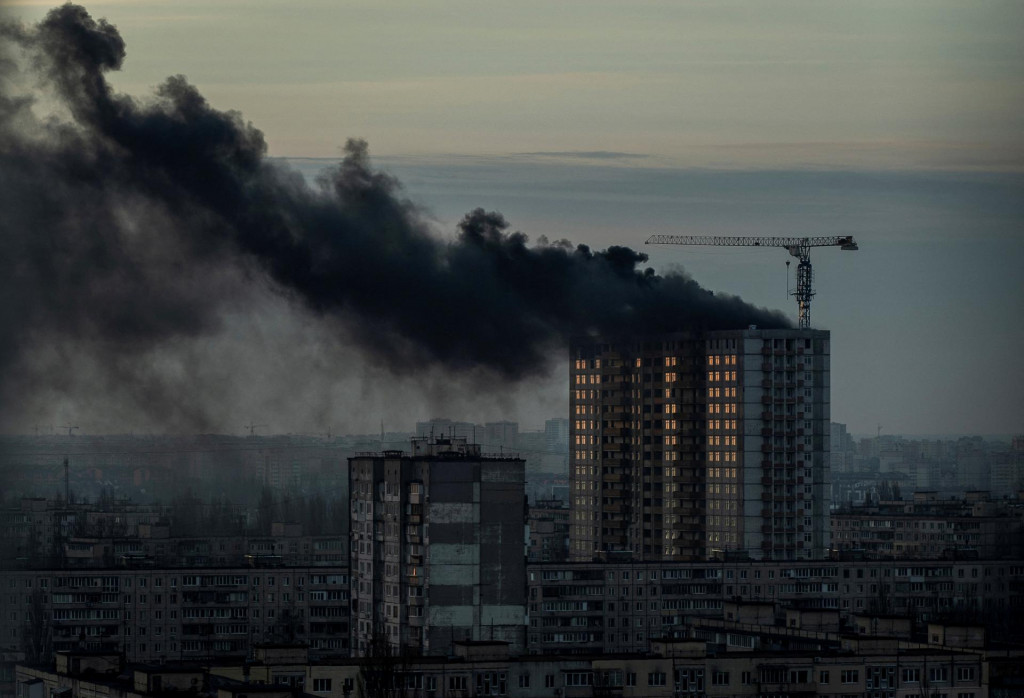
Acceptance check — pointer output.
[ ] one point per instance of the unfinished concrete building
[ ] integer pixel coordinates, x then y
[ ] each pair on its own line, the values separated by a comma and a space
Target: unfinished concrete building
438, 549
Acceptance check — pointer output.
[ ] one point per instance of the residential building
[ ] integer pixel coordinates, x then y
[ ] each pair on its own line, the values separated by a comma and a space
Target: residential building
151, 613
929, 528
831, 666
701, 445
548, 525
612, 607
438, 550
556, 435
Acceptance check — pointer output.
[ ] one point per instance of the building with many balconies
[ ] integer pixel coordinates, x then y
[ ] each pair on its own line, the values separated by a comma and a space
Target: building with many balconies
700, 445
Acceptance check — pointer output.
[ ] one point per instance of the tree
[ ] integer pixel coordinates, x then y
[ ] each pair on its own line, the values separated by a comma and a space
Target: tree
36, 635
382, 668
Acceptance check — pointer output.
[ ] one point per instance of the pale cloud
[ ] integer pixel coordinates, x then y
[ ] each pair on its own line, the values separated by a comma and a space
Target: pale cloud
916, 84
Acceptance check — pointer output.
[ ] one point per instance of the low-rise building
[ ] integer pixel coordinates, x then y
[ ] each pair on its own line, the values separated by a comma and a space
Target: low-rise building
154, 614
614, 607
930, 528
672, 669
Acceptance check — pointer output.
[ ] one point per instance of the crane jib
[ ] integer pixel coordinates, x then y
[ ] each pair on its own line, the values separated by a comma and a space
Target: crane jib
798, 247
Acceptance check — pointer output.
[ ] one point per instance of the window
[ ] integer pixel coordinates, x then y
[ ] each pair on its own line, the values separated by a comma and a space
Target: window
631, 678
656, 678
524, 681
911, 676
719, 678
940, 673
965, 673
577, 678
849, 676
458, 683
549, 680
321, 685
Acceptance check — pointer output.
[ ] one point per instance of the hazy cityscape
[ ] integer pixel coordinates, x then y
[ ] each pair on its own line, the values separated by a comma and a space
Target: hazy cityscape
279, 419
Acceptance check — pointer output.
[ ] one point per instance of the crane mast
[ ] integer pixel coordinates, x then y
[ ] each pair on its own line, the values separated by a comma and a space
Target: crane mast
798, 247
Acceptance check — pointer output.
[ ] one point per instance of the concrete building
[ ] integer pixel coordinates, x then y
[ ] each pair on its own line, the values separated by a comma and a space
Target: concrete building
700, 445
712, 663
614, 607
438, 549
548, 525
928, 528
500, 436
556, 435
181, 614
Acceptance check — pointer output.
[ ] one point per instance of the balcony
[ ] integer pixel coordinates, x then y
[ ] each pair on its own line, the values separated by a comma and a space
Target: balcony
804, 688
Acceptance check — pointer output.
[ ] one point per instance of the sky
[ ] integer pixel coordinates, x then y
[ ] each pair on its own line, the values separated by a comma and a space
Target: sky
898, 123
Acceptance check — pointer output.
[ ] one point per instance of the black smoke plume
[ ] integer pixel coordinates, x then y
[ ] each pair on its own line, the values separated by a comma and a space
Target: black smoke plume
132, 224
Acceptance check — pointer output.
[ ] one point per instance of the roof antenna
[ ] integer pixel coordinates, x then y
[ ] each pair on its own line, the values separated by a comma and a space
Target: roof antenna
787, 278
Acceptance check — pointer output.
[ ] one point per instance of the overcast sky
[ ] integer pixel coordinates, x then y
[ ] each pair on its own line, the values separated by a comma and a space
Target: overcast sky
901, 123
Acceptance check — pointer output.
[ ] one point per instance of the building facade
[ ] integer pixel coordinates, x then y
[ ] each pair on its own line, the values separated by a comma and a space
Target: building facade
151, 614
438, 548
672, 669
700, 445
927, 527
601, 607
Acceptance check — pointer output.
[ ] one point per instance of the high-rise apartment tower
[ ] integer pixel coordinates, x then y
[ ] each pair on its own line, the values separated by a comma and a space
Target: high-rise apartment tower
438, 550
700, 445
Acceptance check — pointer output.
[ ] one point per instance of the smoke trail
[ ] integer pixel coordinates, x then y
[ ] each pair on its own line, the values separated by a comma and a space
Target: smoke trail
132, 224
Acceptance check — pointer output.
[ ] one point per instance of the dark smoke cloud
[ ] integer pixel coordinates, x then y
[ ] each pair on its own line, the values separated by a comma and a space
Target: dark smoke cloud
132, 225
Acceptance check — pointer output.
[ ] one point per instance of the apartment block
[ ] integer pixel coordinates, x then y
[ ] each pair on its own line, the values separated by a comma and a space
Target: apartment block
928, 527
672, 669
609, 607
173, 613
693, 446
548, 526
438, 547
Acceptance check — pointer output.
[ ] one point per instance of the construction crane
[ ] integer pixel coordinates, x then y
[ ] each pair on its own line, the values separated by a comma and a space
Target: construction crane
253, 427
798, 247
70, 429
